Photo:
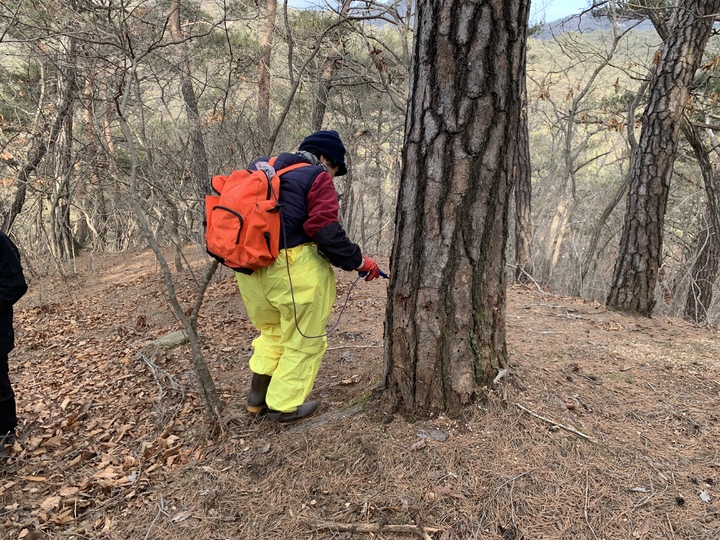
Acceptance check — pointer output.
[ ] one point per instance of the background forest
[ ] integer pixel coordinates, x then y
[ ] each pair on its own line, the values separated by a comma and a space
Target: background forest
118, 114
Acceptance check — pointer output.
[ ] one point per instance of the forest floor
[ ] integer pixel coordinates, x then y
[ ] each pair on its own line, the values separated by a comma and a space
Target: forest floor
606, 427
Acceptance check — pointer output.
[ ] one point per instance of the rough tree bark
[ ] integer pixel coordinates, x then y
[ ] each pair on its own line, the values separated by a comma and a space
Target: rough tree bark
445, 321
636, 268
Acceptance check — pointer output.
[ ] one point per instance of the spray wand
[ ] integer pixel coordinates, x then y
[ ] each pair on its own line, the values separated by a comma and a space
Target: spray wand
382, 274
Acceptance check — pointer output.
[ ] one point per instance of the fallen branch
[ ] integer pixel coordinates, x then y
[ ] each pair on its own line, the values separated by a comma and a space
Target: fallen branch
373, 528
566, 428
528, 276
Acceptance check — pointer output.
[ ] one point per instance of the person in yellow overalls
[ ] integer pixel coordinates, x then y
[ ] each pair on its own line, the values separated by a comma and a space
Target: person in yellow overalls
290, 301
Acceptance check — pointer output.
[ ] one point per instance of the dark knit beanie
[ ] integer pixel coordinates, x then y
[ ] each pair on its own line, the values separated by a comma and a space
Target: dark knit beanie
328, 144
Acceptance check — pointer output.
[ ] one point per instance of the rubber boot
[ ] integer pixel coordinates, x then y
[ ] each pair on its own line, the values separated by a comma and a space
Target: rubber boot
6, 439
258, 389
303, 411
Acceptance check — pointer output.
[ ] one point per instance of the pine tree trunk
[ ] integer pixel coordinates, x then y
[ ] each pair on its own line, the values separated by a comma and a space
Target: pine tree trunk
445, 322
639, 259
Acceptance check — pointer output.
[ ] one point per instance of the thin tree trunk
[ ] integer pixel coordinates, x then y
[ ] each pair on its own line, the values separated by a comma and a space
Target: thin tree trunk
83, 192
331, 65
523, 198
558, 226
571, 152
95, 204
704, 271
347, 203
597, 229
112, 220
206, 385
620, 193
199, 162
703, 275
61, 149
34, 157
263, 115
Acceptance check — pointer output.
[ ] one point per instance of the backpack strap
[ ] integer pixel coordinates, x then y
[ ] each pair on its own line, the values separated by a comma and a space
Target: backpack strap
274, 181
291, 167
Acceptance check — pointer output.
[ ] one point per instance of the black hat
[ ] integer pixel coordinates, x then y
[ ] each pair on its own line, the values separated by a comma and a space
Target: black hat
328, 144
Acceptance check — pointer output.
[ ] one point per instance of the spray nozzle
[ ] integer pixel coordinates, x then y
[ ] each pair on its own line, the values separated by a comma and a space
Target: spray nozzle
382, 274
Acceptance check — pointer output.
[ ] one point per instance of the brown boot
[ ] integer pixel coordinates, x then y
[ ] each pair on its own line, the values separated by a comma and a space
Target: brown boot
258, 390
303, 411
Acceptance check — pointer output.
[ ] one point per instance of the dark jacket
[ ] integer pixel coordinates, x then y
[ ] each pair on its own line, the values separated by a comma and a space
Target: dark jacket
12, 288
310, 212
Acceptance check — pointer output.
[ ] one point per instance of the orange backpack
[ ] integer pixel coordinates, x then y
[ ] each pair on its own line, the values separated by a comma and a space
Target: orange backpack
242, 225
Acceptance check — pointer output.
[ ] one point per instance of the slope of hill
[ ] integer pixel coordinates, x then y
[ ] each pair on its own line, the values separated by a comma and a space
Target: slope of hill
584, 25
607, 426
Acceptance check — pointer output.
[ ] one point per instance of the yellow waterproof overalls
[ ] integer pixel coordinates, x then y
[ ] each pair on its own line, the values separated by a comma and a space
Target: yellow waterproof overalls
280, 350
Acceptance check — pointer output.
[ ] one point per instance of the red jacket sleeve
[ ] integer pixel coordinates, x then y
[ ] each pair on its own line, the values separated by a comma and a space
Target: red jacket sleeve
324, 227
322, 202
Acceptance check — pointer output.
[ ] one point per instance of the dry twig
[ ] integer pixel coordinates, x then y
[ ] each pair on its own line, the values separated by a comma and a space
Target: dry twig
587, 502
161, 511
566, 428
527, 276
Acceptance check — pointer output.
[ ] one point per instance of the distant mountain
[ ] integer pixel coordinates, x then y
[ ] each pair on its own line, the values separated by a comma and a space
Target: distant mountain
583, 24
